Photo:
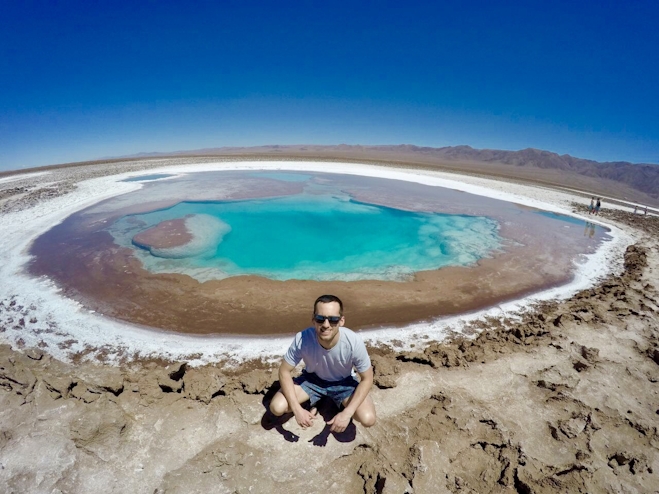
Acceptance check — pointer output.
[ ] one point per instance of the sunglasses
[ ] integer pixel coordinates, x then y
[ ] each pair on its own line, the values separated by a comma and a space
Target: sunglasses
333, 320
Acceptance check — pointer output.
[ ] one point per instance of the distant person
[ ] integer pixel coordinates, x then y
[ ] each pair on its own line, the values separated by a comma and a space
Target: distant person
598, 205
645, 212
635, 209
330, 352
592, 205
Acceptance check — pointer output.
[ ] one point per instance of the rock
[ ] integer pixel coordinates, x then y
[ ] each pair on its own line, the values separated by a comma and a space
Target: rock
108, 380
203, 384
150, 392
619, 459
654, 354
590, 354
15, 377
572, 427
580, 365
443, 356
58, 385
257, 381
416, 357
82, 393
443, 401
635, 258
385, 372
168, 385
178, 372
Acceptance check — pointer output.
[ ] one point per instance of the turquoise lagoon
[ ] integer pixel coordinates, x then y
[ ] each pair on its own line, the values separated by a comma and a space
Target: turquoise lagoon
311, 236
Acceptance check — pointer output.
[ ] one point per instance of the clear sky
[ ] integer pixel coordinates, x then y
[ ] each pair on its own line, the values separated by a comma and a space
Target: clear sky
85, 80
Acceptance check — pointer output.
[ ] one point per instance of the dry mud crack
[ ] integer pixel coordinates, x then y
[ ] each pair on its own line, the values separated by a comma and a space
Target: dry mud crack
566, 399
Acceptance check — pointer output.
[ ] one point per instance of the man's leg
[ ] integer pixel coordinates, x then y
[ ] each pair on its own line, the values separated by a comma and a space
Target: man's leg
365, 413
279, 406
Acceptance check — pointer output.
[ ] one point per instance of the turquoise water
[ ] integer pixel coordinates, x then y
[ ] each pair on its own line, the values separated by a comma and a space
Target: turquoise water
317, 237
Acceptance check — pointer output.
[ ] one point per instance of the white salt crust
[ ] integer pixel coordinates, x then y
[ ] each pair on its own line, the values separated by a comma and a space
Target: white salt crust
62, 327
22, 176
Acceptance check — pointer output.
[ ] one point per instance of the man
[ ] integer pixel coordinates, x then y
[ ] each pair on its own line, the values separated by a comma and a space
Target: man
330, 352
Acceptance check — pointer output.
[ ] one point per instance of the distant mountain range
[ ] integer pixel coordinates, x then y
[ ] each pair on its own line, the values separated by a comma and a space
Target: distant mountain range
641, 177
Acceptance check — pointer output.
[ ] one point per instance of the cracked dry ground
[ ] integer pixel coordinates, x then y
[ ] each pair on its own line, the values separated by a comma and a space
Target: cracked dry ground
564, 400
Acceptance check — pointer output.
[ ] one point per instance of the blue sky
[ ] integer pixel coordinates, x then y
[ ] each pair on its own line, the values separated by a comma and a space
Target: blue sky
84, 80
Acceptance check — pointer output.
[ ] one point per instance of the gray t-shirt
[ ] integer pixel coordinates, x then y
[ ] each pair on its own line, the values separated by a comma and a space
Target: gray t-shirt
333, 364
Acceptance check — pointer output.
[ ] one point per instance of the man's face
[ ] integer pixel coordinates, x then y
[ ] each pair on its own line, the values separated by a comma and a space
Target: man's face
328, 334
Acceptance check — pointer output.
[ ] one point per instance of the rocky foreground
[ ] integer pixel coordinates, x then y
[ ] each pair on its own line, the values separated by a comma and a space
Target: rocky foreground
565, 399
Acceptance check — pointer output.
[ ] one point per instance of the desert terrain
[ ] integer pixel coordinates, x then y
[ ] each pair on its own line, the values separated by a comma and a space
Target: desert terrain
560, 397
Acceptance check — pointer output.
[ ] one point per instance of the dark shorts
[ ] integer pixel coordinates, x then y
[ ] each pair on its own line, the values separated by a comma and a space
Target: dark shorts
316, 387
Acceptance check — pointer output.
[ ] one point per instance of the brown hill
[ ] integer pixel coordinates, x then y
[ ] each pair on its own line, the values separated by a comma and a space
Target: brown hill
642, 177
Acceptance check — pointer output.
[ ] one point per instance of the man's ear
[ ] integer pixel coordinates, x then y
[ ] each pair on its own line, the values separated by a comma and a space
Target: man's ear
342, 322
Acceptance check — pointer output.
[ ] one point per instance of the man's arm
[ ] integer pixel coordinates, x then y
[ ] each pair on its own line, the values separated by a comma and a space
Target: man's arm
342, 419
303, 417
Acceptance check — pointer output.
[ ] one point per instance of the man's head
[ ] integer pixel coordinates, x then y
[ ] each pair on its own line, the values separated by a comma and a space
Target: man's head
327, 319
327, 299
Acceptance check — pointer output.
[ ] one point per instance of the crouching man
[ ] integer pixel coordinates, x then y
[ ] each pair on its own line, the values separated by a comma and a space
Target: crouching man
330, 352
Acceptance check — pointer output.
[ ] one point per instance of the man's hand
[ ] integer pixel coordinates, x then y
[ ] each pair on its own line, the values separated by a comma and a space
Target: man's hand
340, 421
305, 418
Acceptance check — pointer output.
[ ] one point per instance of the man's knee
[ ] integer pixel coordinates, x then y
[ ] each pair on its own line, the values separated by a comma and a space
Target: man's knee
366, 418
279, 405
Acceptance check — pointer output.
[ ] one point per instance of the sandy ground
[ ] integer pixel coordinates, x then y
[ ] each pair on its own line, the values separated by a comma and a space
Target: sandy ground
561, 398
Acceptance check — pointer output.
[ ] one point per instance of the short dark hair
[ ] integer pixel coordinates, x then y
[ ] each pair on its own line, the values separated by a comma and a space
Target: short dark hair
326, 299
